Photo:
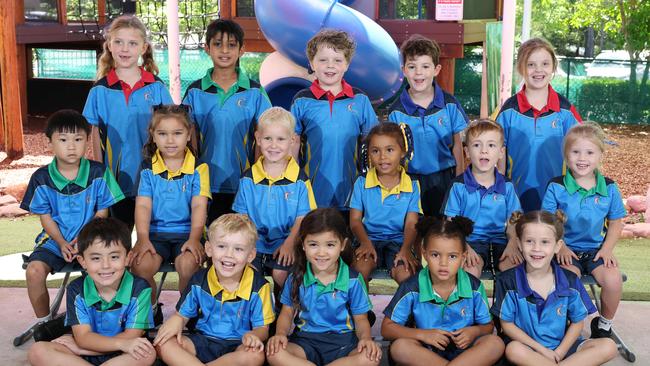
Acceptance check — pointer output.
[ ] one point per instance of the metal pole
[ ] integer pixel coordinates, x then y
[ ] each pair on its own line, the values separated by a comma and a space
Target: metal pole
507, 50
173, 51
525, 21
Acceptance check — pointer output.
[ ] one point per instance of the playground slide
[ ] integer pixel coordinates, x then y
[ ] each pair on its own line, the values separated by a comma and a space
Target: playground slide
289, 24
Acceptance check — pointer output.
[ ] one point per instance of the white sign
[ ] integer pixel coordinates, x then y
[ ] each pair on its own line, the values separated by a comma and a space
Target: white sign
449, 9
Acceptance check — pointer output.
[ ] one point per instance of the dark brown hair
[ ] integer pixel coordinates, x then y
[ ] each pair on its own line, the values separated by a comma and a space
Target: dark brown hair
168, 111
458, 227
556, 221
418, 45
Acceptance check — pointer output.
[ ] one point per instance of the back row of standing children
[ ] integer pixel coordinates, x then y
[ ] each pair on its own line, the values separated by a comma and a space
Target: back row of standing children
167, 195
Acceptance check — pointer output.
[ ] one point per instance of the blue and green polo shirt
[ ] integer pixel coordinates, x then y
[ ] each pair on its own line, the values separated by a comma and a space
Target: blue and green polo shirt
226, 121
433, 129
274, 204
533, 141
587, 211
171, 193
489, 208
544, 320
384, 210
223, 314
329, 308
331, 126
129, 309
416, 298
122, 115
70, 203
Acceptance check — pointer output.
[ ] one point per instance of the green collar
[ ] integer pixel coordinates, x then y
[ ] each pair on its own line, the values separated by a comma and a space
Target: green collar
341, 283
60, 181
123, 295
572, 186
427, 293
242, 81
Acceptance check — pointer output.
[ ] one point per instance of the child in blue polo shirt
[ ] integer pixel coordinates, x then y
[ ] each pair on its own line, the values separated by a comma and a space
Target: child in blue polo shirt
327, 300
119, 106
448, 306
232, 301
541, 306
226, 105
384, 207
595, 212
66, 194
108, 307
436, 119
331, 116
484, 196
275, 194
172, 201
534, 122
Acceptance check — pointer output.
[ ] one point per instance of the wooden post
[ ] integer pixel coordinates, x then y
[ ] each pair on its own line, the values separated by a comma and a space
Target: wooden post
24, 62
446, 77
12, 116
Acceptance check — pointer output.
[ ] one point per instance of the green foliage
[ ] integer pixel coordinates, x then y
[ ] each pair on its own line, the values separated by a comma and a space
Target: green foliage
467, 83
614, 101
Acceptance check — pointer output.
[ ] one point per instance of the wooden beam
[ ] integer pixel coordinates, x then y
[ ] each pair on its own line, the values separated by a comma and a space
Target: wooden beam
24, 62
101, 12
446, 77
226, 9
62, 10
9, 74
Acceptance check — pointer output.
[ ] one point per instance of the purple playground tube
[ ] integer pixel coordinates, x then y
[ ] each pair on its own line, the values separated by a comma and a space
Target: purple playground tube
289, 24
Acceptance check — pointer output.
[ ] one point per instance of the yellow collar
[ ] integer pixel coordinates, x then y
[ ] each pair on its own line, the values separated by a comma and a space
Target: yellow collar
290, 172
405, 183
158, 165
243, 291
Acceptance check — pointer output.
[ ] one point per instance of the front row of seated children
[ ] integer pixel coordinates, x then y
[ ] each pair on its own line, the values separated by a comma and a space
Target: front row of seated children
438, 316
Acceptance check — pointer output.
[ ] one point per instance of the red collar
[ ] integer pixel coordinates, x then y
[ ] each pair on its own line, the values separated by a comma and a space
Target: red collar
552, 103
319, 92
145, 77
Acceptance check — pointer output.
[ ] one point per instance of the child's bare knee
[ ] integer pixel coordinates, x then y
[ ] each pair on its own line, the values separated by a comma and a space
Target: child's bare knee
36, 272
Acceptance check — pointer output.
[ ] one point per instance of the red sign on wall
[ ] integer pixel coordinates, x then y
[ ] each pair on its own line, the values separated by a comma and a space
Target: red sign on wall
449, 9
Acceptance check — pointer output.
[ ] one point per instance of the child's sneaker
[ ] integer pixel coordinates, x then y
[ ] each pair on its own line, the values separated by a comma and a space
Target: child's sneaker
51, 329
597, 332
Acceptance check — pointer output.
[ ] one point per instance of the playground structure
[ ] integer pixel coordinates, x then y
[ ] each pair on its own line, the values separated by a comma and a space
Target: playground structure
280, 25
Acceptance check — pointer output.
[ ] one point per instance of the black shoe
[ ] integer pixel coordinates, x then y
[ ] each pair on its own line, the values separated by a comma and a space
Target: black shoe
51, 329
372, 318
158, 315
191, 324
597, 332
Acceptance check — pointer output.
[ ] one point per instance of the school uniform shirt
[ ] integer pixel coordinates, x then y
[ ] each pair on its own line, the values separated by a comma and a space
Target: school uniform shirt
129, 309
533, 141
416, 299
489, 208
384, 210
70, 203
328, 308
274, 204
226, 121
223, 314
331, 126
433, 129
171, 193
587, 211
122, 115
543, 320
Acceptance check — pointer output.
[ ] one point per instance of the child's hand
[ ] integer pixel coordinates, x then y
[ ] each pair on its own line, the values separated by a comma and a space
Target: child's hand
138, 348
68, 250
550, 354
173, 327
252, 342
284, 254
366, 252
373, 349
195, 248
68, 341
513, 253
276, 343
472, 259
464, 337
565, 256
408, 259
140, 248
436, 337
608, 257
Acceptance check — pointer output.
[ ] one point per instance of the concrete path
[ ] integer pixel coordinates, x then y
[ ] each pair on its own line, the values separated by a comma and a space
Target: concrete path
632, 322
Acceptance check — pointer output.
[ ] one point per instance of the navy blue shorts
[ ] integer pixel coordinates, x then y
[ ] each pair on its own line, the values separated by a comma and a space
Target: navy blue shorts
168, 245
100, 359
490, 254
448, 353
324, 348
433, 189
209, 349
52, 260
574, 347
265, 263
586, 262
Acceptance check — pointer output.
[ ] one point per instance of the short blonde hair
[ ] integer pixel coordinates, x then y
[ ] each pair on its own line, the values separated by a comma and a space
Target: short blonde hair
588, 130
480, 126
338, 40
231, 224
277, 115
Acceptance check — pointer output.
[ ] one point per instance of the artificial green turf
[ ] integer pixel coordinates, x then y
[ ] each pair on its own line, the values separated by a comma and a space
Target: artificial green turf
633, 254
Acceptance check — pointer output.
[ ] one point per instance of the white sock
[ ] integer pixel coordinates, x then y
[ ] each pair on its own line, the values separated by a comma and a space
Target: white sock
44, 319
604, 323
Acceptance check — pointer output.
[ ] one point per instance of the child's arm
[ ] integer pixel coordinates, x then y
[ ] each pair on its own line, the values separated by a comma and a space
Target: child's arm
199, 214
606, 252
570, 337
173, 327
512, 251
366, 250
142, 222
254, 339
102, 213
457, 151
282, 327
52, 229
406, 252
362, 329
284, 254
516, 334
130, 341
97, 145
438, 338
